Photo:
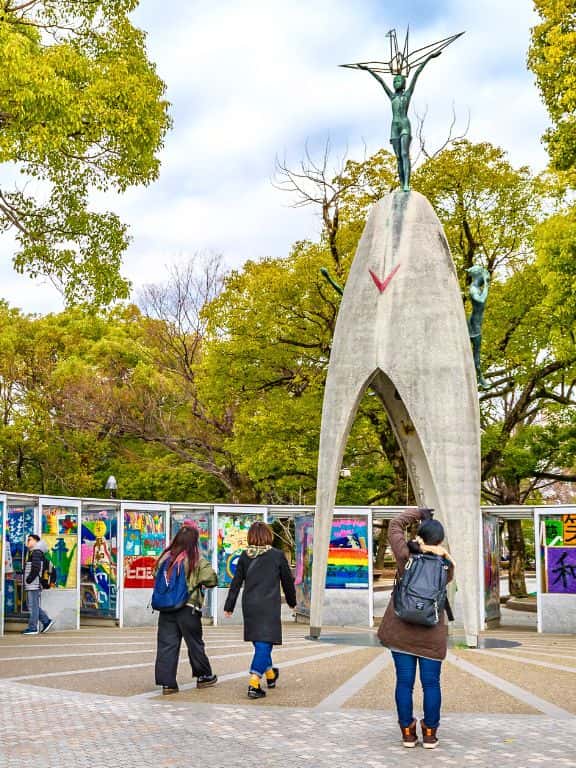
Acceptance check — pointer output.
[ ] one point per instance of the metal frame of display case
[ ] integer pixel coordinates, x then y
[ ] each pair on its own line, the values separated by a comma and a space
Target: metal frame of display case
483, 620
361, 512
3, 502
16, 500
539, 513
263, 512
341, 512
136, 506
94, 505
222, 510
73, 503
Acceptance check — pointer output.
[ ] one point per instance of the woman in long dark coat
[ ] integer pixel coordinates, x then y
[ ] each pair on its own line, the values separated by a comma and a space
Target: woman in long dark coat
262, 569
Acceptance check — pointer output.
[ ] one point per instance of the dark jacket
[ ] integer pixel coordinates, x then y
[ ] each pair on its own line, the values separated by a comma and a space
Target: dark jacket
262, 575
34, 565
430, 642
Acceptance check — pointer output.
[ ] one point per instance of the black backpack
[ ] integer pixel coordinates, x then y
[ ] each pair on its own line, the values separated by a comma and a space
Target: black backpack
48, 575
420, 593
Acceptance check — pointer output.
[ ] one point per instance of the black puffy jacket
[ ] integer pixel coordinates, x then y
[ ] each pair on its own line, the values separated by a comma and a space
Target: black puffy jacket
262, 576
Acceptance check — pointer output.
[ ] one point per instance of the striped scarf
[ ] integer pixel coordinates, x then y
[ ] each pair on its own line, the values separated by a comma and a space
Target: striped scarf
255, 551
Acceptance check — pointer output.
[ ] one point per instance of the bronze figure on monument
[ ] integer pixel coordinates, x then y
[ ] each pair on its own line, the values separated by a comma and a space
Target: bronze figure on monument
400, 64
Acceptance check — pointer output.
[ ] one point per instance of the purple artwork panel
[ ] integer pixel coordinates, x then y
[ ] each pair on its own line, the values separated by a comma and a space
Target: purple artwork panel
562, 570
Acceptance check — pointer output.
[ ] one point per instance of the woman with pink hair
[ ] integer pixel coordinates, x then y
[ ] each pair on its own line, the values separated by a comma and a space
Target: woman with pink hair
186, 622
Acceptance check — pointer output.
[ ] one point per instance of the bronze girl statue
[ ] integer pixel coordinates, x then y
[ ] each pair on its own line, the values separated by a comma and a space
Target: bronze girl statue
401, 130
400, 65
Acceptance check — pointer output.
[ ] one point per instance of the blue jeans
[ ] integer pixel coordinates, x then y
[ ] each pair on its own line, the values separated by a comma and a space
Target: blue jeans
262, 659
429, 677
36, 612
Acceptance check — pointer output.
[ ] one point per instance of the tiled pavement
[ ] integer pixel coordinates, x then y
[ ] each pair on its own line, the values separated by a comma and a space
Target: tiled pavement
87, 700
57, 729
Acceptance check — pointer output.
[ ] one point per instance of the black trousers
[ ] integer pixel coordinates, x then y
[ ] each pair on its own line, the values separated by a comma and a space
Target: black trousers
172, 627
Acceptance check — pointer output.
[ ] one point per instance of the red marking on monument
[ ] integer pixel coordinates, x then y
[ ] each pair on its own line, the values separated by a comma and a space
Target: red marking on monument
383, 284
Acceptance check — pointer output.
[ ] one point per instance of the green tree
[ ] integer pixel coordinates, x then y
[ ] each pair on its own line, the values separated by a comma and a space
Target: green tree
35, 454
551, 58
133, 383
81, 109
555, 246
73, 389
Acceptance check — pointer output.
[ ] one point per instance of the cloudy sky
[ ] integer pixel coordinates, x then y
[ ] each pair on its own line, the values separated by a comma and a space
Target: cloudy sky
250, 80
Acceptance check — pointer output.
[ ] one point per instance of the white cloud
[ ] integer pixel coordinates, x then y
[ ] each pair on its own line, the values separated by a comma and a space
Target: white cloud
250, 79
33, 296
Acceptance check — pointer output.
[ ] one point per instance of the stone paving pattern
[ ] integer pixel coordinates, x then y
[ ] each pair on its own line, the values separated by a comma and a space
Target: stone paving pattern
113, 715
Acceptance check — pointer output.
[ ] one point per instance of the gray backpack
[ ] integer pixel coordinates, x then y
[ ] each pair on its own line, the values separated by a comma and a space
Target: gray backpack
419, 595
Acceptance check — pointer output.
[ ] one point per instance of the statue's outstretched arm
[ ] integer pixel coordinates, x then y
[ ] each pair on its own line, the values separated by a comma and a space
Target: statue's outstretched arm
410, 89
326, 274
376, 76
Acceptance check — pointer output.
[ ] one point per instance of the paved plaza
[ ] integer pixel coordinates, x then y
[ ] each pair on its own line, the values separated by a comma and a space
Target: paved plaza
87, 698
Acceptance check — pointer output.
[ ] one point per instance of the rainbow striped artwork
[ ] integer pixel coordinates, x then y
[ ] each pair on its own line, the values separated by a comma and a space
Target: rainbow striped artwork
348, 554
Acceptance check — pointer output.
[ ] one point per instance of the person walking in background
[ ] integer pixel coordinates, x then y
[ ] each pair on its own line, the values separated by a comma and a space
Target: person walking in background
262, 569
33, 569
416, 645
183, 556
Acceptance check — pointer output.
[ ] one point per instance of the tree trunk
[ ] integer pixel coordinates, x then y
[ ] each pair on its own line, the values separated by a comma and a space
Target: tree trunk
517, 575
382, 544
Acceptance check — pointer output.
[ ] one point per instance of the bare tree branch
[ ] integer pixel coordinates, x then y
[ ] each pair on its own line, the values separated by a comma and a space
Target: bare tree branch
316, 183
450, 139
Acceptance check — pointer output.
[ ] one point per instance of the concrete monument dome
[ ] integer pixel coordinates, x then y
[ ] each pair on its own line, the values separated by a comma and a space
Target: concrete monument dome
402, 331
